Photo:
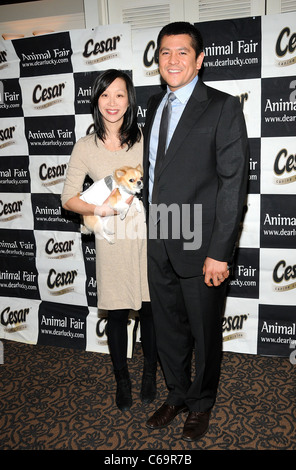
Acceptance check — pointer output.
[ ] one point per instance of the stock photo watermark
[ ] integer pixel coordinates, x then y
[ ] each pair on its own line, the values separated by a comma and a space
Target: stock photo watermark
177, 222
293, 93
1, 93
1, 353
174, 222
293, 353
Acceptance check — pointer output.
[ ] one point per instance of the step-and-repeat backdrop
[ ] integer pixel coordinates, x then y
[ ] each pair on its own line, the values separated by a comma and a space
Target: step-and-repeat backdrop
47, 268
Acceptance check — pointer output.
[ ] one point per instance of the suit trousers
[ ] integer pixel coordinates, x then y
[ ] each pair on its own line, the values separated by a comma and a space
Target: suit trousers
188, 320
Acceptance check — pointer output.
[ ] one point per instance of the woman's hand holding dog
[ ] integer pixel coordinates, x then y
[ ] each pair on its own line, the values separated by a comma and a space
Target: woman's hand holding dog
105, 210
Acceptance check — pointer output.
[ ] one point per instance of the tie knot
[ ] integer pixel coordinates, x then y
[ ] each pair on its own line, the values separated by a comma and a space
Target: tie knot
171, 97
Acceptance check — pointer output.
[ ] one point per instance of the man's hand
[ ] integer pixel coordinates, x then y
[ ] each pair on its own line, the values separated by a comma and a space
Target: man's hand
215, 272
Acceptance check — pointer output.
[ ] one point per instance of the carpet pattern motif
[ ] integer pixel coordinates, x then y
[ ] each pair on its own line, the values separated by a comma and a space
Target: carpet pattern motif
62, 399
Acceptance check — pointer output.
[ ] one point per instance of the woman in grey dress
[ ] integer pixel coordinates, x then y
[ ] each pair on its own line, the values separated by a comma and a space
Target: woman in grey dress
121, 268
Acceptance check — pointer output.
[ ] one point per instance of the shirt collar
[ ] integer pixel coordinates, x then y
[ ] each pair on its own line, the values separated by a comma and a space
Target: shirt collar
184, 93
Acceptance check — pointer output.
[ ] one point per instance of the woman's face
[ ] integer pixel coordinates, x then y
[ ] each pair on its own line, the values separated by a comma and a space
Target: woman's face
113, 102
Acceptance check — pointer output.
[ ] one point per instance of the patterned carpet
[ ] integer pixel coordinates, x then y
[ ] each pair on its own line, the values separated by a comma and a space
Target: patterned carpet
62, 399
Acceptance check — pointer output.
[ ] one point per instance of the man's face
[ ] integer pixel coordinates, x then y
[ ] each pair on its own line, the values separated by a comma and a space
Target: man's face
177, 62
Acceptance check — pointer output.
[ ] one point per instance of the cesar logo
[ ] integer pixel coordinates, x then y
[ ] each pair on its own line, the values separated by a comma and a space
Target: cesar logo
48, 93
10, 208
100, 47
283, 45
7, 133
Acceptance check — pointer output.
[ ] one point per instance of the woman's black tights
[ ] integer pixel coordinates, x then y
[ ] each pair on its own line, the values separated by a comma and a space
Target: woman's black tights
118, 338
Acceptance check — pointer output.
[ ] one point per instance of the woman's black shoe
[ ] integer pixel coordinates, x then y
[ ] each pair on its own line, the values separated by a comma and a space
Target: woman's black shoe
123, 392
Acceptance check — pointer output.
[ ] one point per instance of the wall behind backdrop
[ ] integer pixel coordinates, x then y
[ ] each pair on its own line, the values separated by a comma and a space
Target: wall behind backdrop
47, 269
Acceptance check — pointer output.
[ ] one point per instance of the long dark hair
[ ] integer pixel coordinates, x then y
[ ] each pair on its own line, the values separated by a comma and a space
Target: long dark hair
129, 132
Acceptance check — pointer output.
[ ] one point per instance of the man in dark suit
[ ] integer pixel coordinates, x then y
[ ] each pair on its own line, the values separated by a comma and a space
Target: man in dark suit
196, 187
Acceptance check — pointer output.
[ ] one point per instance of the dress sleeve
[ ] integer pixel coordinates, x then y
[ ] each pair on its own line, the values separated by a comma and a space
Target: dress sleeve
76, 173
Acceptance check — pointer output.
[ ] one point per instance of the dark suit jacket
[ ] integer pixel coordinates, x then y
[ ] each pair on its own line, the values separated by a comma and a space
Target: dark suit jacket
206, 163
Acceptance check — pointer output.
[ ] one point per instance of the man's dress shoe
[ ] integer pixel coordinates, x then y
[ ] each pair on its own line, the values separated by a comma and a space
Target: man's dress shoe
196, 425
164, 415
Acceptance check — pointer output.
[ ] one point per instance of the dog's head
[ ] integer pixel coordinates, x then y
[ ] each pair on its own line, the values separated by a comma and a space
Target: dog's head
130, 178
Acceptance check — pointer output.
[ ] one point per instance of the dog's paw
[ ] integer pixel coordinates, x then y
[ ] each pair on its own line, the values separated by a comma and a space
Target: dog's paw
137, 204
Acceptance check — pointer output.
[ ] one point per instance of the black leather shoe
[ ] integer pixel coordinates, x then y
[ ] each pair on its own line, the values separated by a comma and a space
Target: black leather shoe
164, 416
196, 425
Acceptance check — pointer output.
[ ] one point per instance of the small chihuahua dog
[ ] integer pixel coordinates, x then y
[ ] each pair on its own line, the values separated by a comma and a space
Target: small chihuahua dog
128, 182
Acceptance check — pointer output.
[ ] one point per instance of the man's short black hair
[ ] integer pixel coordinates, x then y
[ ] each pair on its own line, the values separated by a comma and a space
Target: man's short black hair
183, 27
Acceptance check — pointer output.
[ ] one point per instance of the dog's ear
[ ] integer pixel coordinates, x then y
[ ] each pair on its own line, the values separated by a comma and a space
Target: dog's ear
120, 172
139, 168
